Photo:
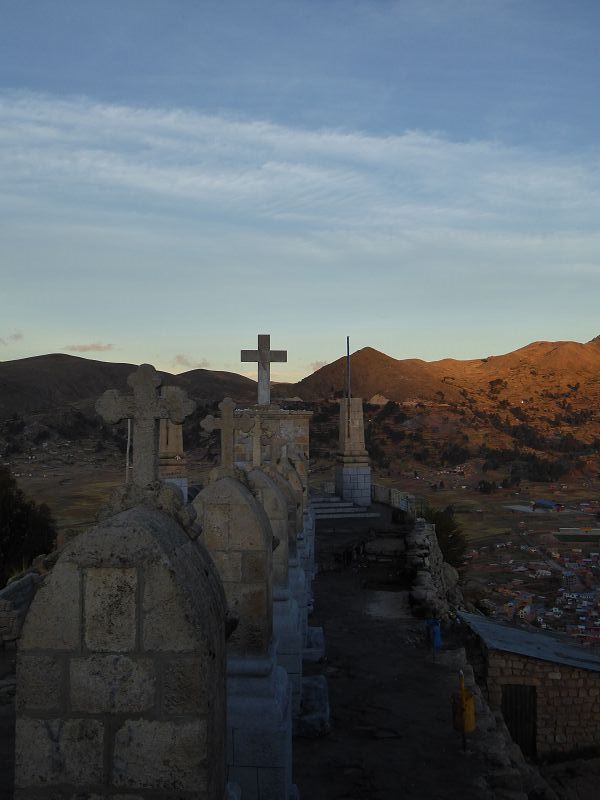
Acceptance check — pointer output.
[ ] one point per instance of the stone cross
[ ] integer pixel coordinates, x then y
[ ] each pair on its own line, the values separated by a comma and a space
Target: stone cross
146, 407
228, 424
265, 357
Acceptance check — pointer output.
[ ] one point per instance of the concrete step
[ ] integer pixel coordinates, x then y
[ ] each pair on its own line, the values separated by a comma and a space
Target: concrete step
335, 507
357, 514
325, 498
340, 504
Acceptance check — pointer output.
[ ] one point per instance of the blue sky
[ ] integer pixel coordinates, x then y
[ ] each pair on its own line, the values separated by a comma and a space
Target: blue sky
176, 177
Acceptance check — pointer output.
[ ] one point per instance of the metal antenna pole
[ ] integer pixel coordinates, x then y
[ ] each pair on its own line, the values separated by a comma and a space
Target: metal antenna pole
348, 392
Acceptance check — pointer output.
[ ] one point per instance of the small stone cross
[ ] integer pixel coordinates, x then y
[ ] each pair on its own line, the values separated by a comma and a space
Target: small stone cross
145, 407
228, 424
265, 357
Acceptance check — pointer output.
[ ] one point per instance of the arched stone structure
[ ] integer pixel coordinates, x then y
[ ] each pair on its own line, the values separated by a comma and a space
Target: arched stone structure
239, 537
286, 615
121, 668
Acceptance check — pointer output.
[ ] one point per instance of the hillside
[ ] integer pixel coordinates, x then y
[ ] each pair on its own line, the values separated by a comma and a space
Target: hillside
376, 373
538, 403
52, 382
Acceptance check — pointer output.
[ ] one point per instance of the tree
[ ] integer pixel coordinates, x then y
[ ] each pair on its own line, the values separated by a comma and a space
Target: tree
27, 530
450, 535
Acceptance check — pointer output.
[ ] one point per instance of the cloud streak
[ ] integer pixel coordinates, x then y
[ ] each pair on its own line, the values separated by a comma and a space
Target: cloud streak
17, 336
92, 347
268, 173
181, 360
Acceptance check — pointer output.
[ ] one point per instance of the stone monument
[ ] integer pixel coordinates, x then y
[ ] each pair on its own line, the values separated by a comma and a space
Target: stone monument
146, 407
287, 627
236, 531
171, 455
121, 664
265, 357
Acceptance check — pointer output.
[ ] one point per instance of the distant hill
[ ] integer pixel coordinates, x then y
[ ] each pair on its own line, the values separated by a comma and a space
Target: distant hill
376, 373
43, 383
551, 380
541, 401
538, 368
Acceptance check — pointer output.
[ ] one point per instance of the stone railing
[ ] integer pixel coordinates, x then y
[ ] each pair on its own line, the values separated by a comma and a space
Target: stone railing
394, 498
435, 587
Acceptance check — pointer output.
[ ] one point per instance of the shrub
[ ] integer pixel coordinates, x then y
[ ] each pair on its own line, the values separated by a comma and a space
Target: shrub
27, 530
450, 535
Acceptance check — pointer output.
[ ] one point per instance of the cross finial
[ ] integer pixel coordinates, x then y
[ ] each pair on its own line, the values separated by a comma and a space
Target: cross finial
228, 424
145, 407
265, 357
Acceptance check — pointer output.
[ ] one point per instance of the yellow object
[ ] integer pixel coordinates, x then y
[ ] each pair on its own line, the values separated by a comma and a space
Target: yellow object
464, 708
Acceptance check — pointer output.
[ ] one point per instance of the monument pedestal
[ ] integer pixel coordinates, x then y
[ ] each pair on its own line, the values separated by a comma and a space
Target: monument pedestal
352, 472
289, 641
259, 728
353, 481
298, 592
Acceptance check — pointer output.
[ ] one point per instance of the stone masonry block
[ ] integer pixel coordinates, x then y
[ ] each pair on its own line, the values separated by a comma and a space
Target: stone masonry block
216, 526
261, 747
229, 565
247, 779
271, 782
39, 683
55, 751
253, 567
152, 754
110, 609
164, 626
184, 686
112, 684
55, 617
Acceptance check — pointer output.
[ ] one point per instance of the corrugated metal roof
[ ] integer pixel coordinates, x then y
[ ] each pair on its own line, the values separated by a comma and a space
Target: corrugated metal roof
498, 636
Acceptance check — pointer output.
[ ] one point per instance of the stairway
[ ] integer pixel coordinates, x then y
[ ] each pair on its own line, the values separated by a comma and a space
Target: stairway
333, 507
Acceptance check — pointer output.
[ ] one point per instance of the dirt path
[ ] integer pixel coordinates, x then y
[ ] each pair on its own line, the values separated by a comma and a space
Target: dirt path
392, 734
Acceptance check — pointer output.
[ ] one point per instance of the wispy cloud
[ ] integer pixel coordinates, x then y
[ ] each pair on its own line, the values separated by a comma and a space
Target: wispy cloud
258, 170
181, 360
92, 347
17, 336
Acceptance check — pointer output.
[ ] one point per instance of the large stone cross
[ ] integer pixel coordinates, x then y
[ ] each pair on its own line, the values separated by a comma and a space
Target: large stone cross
265, 357
228, 424
145, 407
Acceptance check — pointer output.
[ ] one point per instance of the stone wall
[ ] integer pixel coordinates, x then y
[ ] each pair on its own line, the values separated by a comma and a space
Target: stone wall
121, 669
568, 700
435, 589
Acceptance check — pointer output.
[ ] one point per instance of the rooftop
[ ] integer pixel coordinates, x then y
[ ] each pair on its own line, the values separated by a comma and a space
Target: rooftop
543, 646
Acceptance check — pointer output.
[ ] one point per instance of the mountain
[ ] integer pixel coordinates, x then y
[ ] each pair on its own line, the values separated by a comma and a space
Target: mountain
540, 369
547, 376
43, 383
375, 373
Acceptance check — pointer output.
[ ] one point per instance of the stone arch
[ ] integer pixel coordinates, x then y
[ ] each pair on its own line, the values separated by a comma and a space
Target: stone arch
121, 668
275, 505
237, 534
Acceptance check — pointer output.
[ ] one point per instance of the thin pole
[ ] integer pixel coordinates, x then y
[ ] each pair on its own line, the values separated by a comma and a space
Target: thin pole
128, 451
348, 388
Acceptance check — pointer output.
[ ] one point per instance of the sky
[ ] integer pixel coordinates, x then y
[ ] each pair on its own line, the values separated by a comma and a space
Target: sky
177, 176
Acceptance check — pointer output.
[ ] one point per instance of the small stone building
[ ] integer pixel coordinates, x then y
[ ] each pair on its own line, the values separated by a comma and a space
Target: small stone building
547, 688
